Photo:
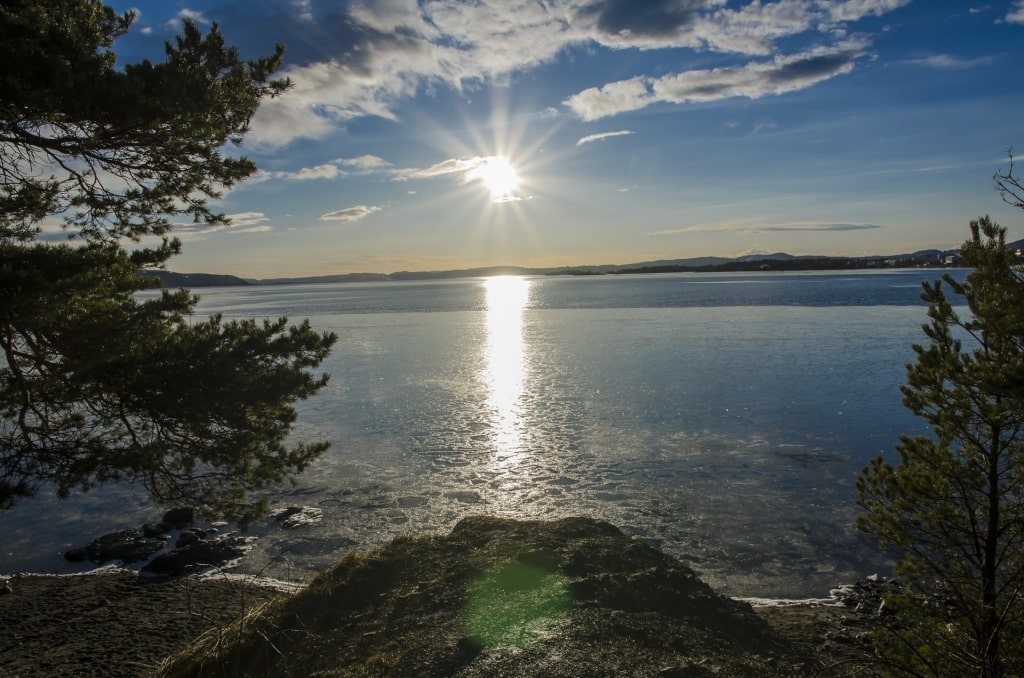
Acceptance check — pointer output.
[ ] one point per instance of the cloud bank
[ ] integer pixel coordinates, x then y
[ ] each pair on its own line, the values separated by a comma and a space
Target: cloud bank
752, 81
1016, 13
367, 59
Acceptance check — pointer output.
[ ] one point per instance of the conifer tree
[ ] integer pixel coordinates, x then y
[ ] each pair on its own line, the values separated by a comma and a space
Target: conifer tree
952, 508
98, 384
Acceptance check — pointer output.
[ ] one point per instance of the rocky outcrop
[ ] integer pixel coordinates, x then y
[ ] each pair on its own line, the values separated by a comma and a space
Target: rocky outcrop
502, 597
175, 546
125, 546
198, 555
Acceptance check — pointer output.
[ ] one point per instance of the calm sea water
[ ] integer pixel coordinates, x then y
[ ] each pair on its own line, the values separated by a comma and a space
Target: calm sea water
721, 417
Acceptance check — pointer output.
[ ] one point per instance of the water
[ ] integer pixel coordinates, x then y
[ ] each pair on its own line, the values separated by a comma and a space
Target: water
721, 417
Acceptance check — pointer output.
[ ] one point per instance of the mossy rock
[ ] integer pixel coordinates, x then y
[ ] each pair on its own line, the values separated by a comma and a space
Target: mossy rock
501, 597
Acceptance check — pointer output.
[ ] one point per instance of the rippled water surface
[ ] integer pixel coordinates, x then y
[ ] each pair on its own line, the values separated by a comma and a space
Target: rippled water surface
721, 417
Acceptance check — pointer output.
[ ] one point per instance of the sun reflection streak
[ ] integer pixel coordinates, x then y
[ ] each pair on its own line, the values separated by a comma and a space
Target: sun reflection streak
505, 363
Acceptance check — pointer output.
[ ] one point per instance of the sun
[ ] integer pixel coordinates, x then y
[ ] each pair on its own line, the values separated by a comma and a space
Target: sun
498, 176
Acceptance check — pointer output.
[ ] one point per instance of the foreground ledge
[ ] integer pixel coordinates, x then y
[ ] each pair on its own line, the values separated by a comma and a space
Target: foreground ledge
502, 597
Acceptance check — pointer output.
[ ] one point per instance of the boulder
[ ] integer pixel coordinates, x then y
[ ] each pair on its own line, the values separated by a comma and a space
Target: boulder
198, 556
152, 531
187, 537
127, 546
179, 517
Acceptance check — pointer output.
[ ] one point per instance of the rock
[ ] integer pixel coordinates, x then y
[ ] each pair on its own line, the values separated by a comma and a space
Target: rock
179, 517
127, 546
282, 514
188, 537
198, 556
867, 595
152, 531
298, 516
505, 597
5, 587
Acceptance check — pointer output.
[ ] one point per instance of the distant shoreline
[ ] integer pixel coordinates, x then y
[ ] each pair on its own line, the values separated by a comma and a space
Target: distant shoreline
778, 263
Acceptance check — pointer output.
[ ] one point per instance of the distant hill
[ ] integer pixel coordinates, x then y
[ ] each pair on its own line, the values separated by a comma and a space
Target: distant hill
172, 280
777, 261
340, 278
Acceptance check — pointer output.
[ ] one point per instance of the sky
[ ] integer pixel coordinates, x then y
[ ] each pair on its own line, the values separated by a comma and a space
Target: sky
446, 134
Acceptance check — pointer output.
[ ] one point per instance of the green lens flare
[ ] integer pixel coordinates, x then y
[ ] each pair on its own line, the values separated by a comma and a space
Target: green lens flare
516, 606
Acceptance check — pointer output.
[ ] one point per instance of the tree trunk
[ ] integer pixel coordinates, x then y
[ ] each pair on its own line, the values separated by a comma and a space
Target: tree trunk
988, 643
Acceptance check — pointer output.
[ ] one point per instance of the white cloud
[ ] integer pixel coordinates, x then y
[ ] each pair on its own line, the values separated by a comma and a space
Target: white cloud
461, 166
331, 170
398, 48
350, 214
185, 13
853, 10
241, 222
1016, 13
754, 80
364, 162
615, 97
948, 62
255, 229
326, 171
246, 218
602, 135
305, 9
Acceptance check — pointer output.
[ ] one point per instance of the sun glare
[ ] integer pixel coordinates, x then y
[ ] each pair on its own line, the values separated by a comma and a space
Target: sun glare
498, 176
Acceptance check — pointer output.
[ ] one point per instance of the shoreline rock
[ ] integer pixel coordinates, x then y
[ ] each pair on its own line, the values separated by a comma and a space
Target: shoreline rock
505, 597
175, 546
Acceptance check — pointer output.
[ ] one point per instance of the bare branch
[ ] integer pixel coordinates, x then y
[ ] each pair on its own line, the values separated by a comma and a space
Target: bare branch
1010, 187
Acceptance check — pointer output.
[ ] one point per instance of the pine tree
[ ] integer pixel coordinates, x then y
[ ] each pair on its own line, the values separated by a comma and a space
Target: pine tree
952, 508
98, 384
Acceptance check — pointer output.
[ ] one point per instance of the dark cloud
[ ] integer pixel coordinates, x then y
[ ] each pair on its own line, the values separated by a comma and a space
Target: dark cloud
656, 18
812, 68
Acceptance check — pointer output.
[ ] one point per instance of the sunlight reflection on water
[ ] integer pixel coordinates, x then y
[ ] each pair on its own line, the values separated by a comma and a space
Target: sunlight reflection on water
504, 375
505, 361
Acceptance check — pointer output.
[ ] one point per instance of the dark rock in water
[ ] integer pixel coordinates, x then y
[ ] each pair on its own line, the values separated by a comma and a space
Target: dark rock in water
179, 517
197, 556
573, 597
128, 546
189, 537
150, 530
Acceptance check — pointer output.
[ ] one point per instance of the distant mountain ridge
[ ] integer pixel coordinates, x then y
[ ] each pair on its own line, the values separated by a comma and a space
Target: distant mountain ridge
777, 261
173, 280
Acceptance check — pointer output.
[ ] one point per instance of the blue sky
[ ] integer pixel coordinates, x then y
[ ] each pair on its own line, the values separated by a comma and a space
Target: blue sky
444, 134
